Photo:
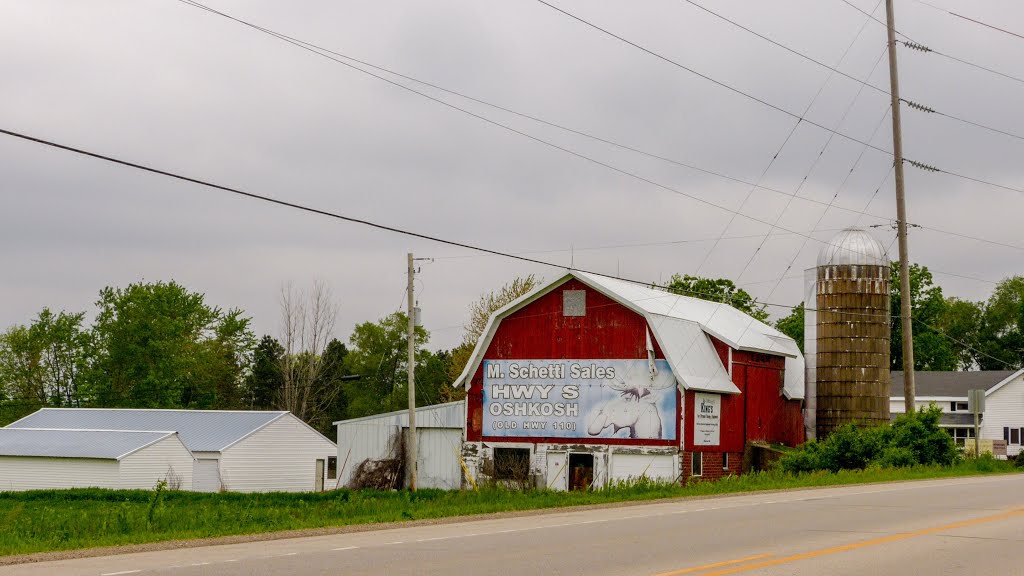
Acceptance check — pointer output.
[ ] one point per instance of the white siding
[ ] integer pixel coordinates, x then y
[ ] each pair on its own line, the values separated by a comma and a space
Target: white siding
206, 475
1004, 408
661, 467
19, 473
143, 469
279, 457
358, 441
437, 458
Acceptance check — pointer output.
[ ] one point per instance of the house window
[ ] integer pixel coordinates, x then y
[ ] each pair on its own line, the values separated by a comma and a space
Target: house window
725, 461
697, 464
332, 467
512, 464
1014, 435
961, 435
958, 407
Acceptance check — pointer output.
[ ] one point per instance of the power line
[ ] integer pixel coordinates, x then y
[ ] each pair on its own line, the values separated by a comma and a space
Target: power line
709, 78
929, 50
485, 119
929, 110
746, 199
865, 82
327, 53
972, 20
334, 215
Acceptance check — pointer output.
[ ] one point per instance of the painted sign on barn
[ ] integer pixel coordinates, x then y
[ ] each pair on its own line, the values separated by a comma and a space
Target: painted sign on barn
579, 399
707, 419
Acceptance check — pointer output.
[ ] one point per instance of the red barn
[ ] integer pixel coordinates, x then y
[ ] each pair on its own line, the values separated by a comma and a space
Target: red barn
590, 380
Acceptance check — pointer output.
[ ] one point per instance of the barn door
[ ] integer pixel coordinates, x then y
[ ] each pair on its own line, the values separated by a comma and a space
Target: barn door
557, 471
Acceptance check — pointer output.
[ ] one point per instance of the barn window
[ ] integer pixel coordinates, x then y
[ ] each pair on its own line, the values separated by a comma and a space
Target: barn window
511, 464
725, 461
697, 464
332, 467
574, 303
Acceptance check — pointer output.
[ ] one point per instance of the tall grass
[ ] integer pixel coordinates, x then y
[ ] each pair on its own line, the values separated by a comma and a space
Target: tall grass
48, 520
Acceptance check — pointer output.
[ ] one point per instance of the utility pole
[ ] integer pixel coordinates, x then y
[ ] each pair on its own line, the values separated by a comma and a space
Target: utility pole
901, 217
411, 440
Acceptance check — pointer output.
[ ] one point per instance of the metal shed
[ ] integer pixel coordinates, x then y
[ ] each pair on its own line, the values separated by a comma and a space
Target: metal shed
35, 459
438, 440
233, 450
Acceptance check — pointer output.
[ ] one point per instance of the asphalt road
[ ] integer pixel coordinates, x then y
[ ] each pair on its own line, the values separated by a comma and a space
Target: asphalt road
960, 526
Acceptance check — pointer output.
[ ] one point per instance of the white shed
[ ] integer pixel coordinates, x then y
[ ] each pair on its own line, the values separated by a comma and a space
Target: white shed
439, 434
39, 458
234, 450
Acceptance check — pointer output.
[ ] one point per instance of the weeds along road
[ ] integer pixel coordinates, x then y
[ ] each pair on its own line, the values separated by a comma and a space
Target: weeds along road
957, 526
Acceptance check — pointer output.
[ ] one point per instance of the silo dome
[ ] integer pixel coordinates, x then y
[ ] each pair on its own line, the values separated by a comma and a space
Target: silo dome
853, 246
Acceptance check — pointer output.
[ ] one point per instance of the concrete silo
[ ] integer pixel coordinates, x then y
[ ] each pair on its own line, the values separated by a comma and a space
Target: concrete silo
848, 334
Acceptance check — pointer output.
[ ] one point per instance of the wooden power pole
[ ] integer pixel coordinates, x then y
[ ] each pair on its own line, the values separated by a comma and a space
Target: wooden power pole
901, 217
411, 440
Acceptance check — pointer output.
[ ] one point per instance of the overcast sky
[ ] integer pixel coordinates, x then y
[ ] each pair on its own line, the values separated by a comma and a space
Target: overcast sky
162, 83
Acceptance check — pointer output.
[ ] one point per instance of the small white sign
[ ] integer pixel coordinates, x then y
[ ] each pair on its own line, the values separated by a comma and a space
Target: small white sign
707, 419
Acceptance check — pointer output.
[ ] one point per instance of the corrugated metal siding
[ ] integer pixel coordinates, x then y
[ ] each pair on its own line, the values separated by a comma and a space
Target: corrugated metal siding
164, 460
1005, 408
19, 473
280, 457
437, 458
660, 467
359, 441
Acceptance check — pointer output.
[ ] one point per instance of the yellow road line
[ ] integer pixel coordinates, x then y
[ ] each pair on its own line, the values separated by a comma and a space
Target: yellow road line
715, 565
856, 545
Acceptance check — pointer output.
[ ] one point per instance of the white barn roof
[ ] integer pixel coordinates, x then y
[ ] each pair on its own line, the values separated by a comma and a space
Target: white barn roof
675, 319
199, 430
448, 415
69, 443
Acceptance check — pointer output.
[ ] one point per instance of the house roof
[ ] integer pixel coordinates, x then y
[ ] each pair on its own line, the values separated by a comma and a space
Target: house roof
949, 384
199, 430
674, 319
71, 443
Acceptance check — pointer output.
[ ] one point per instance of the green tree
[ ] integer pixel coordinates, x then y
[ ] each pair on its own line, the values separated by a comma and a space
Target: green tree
332, 380
932, 350
793, 325
41, 364
1001, 336
160, 346
379, 354
265, 380
718, 290
961, 321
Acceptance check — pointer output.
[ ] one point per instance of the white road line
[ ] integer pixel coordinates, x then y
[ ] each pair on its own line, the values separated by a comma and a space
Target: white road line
290, 554
202, 564
390, 543
124, 572
232, 560
346, 548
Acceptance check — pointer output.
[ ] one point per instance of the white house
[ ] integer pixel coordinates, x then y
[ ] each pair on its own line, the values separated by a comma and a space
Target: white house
237, 451
438, 441
38, 458
1004, 403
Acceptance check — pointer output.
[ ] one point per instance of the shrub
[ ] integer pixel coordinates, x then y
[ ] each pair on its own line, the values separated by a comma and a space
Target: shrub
1019, 460
911, 440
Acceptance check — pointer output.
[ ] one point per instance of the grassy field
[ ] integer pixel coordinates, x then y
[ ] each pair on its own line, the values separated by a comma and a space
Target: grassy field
50, 520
